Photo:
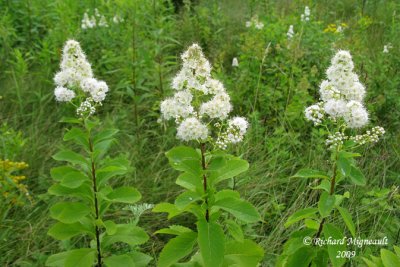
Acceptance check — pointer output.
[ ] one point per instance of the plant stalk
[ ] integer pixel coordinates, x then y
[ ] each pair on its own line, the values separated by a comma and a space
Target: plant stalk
96, 205
203, 164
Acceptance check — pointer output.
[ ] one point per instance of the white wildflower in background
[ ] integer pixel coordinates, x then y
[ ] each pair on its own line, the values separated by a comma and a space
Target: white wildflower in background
306, 15
342, 96
200, 105
88, 23
75, 79
387, 47
235, 62
103, 22
290, 32
254, 22
117, 19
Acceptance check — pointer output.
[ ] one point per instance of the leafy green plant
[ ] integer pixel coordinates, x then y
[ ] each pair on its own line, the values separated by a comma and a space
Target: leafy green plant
201, 99
84, 182
387, 258
339, 112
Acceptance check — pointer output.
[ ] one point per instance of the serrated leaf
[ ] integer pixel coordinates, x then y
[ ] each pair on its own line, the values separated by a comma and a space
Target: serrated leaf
300, 215
176, 249
347, 220
325, 204
239, 208
69, 212
211, 241
186, 198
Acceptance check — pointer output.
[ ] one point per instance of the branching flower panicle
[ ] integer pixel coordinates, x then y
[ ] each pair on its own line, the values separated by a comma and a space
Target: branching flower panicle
342, 96
201, 102
75, 80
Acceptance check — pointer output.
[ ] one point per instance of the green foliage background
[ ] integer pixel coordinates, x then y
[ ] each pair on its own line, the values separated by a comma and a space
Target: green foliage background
138, 58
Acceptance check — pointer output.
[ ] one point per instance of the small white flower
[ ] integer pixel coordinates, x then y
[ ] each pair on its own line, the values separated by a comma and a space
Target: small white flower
218, 107
63, 94
356, 115
235, 62
103, 22
335, 108
314, 113
192, 129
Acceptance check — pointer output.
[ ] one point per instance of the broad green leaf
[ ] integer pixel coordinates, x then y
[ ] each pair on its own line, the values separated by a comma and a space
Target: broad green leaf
72, 157
302, 257
312, 224
74, 179
325, 204
324, 185
186, 198
345, 154
308, 173
176, 249
191, 182
101, 148
356, 176
126, 233
226, 193
119, 261
111, 168
71, 120
211, 241
104, 134
174, 230
169, 208
389, 259
111, 227
83, 257
344, 165
180, 153
347, 220
331, 231
190, 166
124, 194
62, 231
235, 230
246, 253
231, 169
239, 208
300, 215
78, 135
69, 212
84, 191
140, 259
58, 173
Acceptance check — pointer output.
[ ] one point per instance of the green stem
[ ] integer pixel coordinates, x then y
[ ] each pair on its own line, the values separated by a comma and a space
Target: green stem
96, 205
203, 164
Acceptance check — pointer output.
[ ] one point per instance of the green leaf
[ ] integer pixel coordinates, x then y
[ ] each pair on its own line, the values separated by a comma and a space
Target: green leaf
300, 215
72, 157
190, 182
69, 212
124, 194
226, 193
126, 233
239, 208
324, 185
344, 165
74, 179
389, 259
111, 227
174, 230
356, 176
235, 230
176, 249
119, 261
246, 253
71, 120
169, 208
112, 168
58, 173
78, 135
311, 224
325, 204
211, 240
186, 198
140, 259
181, 153
104, 134
308, 173
331, 231
84, 191
347, 220
302, 257
231, 169
62, 231
83, 257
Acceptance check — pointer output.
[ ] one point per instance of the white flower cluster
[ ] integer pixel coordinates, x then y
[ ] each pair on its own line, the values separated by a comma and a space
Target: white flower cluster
335, 140
290, 32
234, 133
91, 22
199, 100
76, 77
371, 136
315, 113
235, 62
306, 15
86, 108
254, 22
342, 94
